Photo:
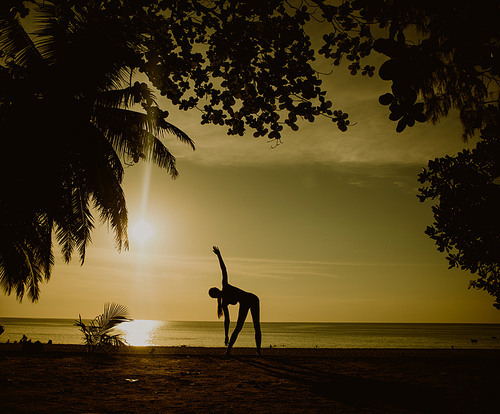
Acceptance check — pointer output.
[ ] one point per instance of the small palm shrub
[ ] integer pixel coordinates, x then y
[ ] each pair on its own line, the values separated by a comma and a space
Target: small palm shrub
98, 334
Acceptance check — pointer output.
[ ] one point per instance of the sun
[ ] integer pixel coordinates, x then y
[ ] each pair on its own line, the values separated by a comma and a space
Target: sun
141, 232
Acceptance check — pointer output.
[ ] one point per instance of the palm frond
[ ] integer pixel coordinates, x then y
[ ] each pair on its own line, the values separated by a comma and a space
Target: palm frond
34, 273
65, 237
104, 174
21, 271
151, 122
110, 202
154, 150
129, 139
109, 199
135, 134
25, 256
50, 33
12, 275
45, 224
125, 97
16, 44
96, 176
113, 118
172, 129
74, 222
116, 98
113, 315
85, 223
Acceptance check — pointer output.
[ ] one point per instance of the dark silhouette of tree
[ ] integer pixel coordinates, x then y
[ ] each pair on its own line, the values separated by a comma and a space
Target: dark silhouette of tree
250, 64
451, 62
466, 220
67, 126
246, 65
443, 56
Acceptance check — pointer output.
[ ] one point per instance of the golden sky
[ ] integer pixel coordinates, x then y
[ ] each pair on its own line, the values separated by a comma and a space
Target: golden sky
326, 227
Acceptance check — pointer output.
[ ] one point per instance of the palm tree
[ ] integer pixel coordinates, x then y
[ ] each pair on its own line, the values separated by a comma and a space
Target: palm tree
66, 98
98, 334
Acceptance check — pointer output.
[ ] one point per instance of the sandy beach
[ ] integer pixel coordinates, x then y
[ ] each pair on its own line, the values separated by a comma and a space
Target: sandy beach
65, 378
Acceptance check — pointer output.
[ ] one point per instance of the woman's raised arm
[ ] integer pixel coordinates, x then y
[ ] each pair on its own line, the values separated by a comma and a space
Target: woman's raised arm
222, 265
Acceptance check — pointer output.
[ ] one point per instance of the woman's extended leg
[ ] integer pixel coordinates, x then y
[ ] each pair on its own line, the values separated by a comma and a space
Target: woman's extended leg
255, 310
242, 315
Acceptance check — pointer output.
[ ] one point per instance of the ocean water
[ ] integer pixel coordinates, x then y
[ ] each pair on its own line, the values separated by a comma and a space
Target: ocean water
276, 334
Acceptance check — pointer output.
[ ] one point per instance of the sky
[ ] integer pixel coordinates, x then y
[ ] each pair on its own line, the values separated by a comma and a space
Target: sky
323, 228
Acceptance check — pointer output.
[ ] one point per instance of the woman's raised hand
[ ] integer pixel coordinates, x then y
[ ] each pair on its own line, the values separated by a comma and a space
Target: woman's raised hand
216, 250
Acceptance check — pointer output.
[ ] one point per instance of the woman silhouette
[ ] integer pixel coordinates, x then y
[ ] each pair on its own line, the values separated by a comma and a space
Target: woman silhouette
231, 295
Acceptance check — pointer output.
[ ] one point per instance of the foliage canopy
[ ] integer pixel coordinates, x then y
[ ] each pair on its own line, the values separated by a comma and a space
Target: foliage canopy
466, 220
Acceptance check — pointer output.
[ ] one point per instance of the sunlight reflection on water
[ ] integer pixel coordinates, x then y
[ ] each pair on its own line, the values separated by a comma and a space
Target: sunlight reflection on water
140, 332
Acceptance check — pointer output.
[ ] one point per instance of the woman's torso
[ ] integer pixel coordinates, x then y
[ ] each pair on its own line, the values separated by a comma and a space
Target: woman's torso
231, 295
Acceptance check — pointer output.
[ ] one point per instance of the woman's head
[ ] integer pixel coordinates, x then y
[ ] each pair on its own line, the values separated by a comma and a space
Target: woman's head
214, 292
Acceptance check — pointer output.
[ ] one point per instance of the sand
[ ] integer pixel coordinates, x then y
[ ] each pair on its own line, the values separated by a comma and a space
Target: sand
64, 378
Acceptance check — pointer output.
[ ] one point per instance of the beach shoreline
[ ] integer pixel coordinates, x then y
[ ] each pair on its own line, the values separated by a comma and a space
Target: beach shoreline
185, 350
66, 378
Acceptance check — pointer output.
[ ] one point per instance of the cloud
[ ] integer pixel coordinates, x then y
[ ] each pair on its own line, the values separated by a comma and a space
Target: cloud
131, 266
372, 140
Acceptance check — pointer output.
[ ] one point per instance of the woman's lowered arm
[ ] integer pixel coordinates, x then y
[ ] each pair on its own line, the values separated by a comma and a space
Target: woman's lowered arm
226, 324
